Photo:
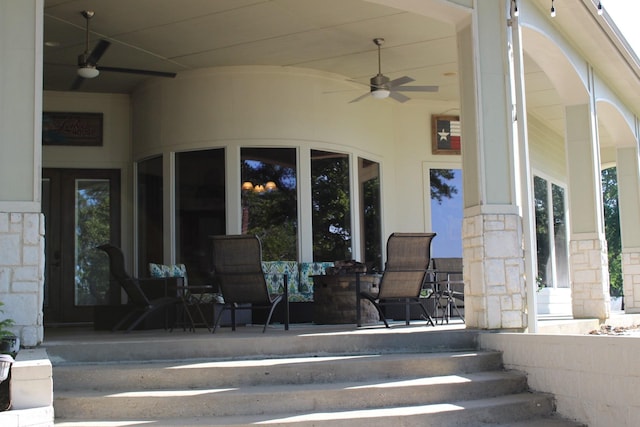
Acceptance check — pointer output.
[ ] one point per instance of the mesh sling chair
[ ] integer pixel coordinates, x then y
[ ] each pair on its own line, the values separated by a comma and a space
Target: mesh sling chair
405, 274
448, 286
161, 293
237, 265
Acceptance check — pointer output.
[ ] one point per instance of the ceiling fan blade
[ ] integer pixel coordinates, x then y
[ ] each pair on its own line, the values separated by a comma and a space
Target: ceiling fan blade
416, 89
400, 81
98, 51
135, 71
398, 96
361, 97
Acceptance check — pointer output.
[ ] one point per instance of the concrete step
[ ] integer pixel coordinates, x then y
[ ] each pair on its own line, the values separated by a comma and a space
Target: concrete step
522, 410
297, 398
319, 376
200, 373
250, 342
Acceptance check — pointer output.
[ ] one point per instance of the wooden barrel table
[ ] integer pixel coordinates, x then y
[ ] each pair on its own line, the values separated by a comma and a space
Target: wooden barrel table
334, 298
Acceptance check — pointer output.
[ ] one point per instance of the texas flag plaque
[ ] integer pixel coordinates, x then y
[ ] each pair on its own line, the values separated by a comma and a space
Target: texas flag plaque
445, 134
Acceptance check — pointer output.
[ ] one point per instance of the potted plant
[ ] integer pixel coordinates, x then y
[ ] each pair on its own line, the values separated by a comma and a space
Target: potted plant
9, 342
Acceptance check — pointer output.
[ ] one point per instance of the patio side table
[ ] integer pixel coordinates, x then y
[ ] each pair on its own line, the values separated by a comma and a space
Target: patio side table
334, 298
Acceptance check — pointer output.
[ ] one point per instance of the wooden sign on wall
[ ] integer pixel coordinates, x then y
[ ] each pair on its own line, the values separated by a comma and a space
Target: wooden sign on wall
72, 129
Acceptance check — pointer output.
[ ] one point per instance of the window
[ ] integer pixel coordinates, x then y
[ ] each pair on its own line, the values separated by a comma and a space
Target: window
331, 202
150, 214
446, 212
269, 200
200, 209
551, 234
370, 216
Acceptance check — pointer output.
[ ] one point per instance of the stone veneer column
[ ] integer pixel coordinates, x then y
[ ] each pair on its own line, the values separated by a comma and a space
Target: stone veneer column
631, 280
493, 271
589, 269
589, 266
628, 171
21, 221
22, 273
495, 287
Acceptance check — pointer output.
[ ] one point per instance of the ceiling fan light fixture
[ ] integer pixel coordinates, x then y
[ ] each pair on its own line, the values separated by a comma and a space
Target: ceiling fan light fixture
88, 72
380, 93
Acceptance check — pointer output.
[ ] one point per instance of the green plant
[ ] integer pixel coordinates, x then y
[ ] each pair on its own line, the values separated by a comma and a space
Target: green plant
5, 324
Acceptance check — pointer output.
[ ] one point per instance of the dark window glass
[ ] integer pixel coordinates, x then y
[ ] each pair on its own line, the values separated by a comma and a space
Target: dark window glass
330, 206
200, 209
150, 213
269, 200
370, 217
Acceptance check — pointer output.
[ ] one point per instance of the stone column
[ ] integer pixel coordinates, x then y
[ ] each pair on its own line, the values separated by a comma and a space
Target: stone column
21, 223
589, 266
495, 290
628, 169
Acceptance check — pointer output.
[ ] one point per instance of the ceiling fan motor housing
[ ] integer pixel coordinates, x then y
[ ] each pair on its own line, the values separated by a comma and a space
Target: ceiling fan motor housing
379, 82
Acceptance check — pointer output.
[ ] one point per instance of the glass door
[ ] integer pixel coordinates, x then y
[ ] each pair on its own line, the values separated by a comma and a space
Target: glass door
82, 211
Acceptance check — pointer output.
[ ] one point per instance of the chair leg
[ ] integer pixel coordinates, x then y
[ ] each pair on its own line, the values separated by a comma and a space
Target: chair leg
217, 319
426, 314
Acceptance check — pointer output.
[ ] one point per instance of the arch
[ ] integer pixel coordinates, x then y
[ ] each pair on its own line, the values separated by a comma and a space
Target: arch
568, 78
615, 128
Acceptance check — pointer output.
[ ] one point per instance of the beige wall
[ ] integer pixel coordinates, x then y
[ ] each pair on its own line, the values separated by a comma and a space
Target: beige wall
115, 152
594, 379
274, 106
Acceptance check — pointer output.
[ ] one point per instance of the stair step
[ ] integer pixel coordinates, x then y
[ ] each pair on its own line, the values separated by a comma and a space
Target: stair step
294, 370
495, 411
302, 398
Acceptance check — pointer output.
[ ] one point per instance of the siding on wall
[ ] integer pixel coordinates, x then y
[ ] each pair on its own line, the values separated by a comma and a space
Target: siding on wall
547, 150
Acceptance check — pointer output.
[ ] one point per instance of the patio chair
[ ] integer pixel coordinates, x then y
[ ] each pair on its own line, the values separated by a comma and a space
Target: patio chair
160, 295
405, 274
448, 286
237, 265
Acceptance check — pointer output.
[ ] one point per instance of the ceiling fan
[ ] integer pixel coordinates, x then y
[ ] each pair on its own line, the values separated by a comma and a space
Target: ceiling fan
88, 67
382, 87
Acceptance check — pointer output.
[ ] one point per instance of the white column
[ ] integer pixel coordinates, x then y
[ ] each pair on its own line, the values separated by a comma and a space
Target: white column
628, 169
495, 291
21, 223
589, 266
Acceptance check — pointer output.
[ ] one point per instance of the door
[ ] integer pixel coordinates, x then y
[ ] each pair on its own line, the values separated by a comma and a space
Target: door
82, 210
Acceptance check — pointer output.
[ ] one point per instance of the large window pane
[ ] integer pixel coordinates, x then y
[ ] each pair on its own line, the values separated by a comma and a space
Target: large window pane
92, 225
269, 200
370, 217
543, 239
551, 234
150, 213
560, 237
330, 206
445, 187
200, 209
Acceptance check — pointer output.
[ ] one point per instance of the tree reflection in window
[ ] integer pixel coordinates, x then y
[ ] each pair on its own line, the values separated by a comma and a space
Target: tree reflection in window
371, 220
330, 206
92, 225
270, 212
446, 193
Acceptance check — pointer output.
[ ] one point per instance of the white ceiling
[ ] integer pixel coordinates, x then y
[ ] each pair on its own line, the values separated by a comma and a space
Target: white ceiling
328, 35
171, 35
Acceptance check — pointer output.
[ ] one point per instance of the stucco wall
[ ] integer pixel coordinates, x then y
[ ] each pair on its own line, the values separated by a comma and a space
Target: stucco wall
594, 378
115, 152
275, 106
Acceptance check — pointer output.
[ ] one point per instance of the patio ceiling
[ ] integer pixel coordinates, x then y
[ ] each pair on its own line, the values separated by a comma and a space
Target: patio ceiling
328, 35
